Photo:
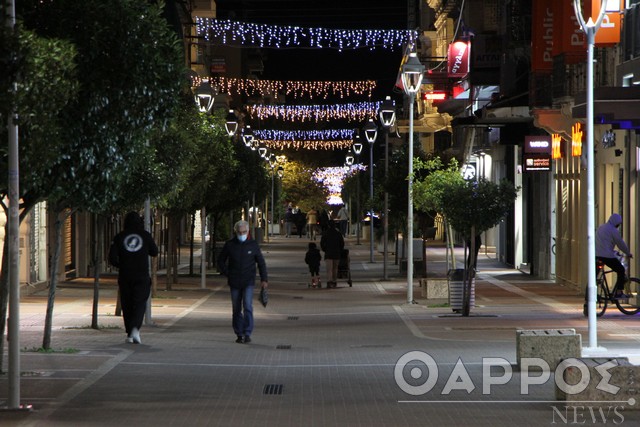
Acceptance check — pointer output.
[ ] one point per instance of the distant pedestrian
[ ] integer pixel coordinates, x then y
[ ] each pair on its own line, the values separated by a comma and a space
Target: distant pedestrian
312, 258
343, 220
130, 251
301, 222
312, 223
323, 220
332, 243
288, 222
237, 261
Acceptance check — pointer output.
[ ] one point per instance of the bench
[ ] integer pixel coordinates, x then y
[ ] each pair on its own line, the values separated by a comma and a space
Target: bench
551, 345
622, 388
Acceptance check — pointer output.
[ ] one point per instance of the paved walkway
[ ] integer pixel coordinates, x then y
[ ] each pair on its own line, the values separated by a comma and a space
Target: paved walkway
319, 357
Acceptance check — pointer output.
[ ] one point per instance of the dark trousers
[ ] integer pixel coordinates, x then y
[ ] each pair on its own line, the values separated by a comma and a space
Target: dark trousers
134, 293
616, 265
242, 308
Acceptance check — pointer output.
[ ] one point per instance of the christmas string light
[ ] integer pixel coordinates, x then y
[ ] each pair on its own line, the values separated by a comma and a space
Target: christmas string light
309, 89
306, 144
332, 178
277, 36
315, 135
360, 111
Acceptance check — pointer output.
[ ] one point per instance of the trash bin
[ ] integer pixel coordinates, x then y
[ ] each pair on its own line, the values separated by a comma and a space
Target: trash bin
456, 289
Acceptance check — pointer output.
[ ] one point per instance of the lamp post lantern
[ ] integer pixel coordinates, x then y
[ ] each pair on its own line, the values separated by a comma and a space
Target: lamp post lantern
412, 73
231, 123
590, 28
387, 115
357, 149
247, 136
371, 133
204, 96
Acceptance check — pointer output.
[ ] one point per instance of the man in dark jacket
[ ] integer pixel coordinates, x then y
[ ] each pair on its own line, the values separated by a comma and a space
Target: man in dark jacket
130, 252
332, 243
607, 238
237, 261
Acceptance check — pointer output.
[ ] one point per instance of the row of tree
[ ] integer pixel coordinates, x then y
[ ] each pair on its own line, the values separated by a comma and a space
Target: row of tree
107, 120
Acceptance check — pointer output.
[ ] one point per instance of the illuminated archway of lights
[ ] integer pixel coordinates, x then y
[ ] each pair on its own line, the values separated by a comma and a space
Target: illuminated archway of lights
359, 111
310, 89
333, 179
280, 37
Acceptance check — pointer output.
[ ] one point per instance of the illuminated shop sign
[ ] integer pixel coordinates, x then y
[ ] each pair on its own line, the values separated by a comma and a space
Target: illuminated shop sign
576, 140
556, 146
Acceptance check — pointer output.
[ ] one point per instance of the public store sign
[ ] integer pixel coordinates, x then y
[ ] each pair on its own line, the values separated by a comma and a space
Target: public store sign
536, 155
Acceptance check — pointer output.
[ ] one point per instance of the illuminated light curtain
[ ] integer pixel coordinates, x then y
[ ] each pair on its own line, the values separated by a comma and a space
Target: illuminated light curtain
322, 135
279, 37
332, 178
360, 111
296, 89
306, 145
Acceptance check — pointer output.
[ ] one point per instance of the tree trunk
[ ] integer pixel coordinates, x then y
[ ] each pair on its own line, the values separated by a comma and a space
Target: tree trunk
469, 273
48, 320
97, 267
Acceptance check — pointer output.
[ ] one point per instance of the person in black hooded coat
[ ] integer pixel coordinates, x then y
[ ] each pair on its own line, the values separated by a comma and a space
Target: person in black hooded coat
130, 252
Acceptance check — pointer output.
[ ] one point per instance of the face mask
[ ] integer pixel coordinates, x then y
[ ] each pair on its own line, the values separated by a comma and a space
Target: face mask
242, 237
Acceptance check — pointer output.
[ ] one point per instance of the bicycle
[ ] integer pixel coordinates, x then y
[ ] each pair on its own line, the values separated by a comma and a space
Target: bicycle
604, 296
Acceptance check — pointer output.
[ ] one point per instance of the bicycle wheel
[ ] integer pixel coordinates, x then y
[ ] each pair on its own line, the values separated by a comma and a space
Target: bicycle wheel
630, 306
601, 300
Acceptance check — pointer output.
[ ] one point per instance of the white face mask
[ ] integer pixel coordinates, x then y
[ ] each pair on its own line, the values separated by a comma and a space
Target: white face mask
242, 237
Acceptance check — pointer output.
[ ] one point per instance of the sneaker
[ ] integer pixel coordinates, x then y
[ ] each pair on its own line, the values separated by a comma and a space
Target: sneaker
621, 295
135, 336
247, 339
129, 340
239, 340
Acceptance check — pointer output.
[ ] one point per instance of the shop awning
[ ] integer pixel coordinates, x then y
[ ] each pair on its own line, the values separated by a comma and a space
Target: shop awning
617, 106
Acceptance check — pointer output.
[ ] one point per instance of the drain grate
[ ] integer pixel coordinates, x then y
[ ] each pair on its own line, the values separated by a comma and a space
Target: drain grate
292, 318
283, 347
272, 389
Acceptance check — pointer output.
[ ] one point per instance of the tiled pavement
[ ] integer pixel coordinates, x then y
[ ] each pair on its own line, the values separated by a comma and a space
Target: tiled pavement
318, 358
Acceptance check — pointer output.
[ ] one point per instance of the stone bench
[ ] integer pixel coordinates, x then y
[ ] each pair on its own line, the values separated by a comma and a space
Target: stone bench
622, 388
551, 345
434, 288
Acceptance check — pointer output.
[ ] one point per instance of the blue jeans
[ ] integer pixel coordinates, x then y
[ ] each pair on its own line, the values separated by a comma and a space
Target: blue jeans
242, 306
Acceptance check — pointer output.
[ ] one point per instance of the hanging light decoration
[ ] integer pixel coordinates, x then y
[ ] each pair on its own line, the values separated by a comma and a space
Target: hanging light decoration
296, 89
306, 145
277, 36
320, 135
359, 111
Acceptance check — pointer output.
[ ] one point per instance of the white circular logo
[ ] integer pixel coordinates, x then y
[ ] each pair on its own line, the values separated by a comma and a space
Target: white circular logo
133, 243
416, 372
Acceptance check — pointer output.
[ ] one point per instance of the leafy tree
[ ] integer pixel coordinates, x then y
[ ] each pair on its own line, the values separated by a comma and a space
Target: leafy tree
300, 187
129, 63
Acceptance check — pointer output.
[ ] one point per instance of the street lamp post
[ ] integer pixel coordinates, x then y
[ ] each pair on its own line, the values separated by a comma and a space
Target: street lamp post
387, 114
590, 29
371, 133
204, 96
357, 149
272, 164
231, 123
412, 73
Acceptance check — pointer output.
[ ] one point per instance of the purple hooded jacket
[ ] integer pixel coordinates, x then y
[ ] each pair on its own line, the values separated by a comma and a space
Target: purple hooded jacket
608, 237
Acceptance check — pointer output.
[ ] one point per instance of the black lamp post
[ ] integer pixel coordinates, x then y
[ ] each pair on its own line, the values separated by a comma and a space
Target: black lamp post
387, 115
412, 73
371, 133
357, 149
247, 136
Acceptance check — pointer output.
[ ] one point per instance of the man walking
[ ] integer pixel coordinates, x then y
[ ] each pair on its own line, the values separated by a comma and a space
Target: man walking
130, 252
332, 243
237, 261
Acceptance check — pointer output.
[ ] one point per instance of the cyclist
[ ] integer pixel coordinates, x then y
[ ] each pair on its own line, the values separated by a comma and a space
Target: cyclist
607, 238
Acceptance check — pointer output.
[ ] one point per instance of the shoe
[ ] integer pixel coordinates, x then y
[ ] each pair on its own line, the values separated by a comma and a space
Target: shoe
129, 340
240, 340
135, 336
620, 295
247, 339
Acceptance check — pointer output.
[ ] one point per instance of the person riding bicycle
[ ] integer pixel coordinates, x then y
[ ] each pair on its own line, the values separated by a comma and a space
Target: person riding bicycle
607, 238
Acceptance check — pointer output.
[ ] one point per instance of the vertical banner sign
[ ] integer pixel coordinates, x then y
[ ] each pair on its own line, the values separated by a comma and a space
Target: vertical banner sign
609, 32
542, 36
458, 59
576, 140
556, 146
567, 34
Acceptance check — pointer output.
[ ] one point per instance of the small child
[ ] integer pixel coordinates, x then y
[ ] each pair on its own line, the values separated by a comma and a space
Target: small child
312, 258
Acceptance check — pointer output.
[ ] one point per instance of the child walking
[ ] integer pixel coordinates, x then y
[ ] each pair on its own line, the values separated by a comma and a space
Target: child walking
312, 259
